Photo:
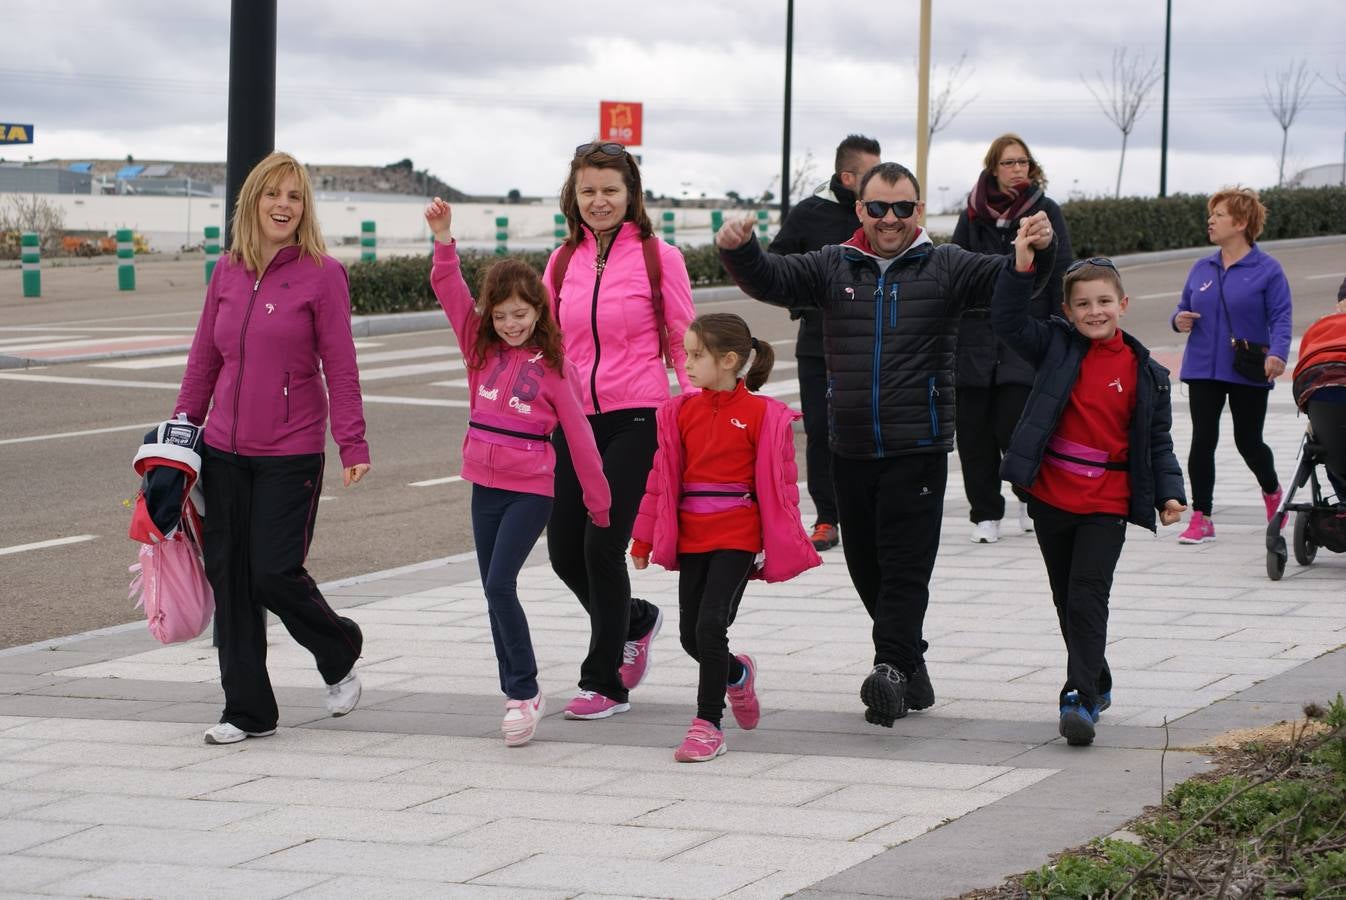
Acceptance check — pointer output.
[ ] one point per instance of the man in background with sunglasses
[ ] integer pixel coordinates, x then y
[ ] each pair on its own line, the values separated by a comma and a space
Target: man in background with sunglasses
890, 302
826, 217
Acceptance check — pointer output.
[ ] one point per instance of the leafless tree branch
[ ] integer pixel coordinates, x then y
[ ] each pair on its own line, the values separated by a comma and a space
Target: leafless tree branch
1123, 95
1286, 99
947, 104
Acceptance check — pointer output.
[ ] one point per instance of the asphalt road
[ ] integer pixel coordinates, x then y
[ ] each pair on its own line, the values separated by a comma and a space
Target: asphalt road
67, 487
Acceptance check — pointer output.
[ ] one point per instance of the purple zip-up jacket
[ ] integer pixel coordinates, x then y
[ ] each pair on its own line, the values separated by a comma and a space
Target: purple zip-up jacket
1257, 296
263, 347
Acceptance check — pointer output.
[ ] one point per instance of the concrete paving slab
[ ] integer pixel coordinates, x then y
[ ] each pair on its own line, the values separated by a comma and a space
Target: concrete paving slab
141, 879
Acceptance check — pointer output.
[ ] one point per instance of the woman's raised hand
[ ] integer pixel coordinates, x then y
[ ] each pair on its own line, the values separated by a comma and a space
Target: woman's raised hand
439, 216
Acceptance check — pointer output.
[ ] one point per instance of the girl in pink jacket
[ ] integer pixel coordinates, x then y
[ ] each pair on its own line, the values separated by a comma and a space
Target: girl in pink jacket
522, 388
722, 494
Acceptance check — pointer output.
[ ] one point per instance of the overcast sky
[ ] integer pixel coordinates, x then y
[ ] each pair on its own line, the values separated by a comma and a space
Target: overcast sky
491, 96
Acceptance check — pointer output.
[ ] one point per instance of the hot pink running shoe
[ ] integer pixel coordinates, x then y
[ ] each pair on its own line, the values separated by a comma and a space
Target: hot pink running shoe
1273, 502
704, 742
1199, 529
636, 655
593, 705
521, 718
743, 700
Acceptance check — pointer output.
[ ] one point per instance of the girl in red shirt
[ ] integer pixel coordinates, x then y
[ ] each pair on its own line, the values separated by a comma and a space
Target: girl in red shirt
722, 491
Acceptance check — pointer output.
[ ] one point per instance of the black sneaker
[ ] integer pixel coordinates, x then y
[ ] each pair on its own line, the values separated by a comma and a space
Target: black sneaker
1077, 721
824, 537
920, 692
884, 694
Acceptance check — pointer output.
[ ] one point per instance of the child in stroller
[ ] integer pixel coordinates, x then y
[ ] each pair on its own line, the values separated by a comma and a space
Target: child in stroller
1320, 391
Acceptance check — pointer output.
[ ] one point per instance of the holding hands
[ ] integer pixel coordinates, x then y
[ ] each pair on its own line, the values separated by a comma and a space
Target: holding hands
735, 233
439, 216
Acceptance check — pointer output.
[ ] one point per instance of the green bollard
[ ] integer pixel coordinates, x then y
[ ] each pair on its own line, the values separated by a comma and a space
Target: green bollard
501, 235
716, 221
367, 241
668, 226
31, 260
561, 232
126, 260
762, 226
212, 249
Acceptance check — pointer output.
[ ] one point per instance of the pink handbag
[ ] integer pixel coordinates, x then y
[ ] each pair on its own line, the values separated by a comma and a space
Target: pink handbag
171, 583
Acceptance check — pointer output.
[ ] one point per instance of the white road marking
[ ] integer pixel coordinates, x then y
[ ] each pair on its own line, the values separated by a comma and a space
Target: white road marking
42, 545
69, 434
83, 342
434, 481
409, 353
100, 382
1157, 296
417, 401
448, 365
30, 338
157, 362
784, 388
1326, 275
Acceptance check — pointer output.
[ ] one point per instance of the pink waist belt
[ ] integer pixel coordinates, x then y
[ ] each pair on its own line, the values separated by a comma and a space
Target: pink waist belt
508, 437
699, 497
1080, 459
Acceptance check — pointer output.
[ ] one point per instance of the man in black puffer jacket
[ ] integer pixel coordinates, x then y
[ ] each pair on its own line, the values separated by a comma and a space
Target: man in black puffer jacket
827, 217
890, 302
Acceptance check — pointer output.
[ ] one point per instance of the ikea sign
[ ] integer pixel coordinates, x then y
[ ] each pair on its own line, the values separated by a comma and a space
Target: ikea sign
11, 133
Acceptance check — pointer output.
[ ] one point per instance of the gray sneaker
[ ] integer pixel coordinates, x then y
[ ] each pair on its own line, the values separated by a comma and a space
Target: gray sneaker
227, 733
884, 694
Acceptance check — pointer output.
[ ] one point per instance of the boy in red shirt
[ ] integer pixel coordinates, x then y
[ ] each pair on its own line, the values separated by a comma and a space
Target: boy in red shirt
1093, 451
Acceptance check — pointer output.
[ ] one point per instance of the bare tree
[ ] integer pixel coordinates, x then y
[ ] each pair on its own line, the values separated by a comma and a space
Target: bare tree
1123, 96
20, 213
947, 104
1289, 95
1340, 87
801, 181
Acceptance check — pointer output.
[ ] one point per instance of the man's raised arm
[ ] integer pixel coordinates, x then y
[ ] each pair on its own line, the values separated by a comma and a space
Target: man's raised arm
796, 281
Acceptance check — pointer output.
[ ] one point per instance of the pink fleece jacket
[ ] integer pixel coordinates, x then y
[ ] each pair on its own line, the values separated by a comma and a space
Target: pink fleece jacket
263, 348
517, 402
787, 550
608, 323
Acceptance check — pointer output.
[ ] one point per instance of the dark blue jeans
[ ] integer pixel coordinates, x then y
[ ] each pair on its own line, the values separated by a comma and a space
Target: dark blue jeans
506, 525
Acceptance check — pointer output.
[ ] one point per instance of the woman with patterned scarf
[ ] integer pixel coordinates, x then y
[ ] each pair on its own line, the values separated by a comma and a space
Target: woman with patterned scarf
992, 380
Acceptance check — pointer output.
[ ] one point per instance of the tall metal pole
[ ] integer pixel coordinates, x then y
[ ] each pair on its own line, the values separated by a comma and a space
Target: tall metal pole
1163, 136
785, 144
923, 100
252, 96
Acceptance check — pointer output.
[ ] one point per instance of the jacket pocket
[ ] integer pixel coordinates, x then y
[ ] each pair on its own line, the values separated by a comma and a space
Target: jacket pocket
932, 395
285, 393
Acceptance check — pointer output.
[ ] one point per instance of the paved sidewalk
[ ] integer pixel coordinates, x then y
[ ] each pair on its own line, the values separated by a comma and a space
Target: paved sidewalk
106, 788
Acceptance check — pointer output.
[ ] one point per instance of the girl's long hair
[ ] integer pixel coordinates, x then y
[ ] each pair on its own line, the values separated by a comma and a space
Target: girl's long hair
515, 278
270, 172
722, 333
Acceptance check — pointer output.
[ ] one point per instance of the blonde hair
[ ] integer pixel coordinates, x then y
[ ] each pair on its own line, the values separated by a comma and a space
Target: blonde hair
1243, 205
247, 245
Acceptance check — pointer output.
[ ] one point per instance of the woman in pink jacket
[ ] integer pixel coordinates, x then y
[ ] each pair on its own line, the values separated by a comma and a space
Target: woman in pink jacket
722, 490
272, 349
623, 300
522, 389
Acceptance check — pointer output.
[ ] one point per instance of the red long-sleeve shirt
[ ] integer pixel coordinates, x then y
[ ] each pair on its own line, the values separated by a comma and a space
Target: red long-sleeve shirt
1097, 415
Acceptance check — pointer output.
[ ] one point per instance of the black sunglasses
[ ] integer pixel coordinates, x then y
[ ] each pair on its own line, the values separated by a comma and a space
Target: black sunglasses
1091, 261
607, 148
903, 209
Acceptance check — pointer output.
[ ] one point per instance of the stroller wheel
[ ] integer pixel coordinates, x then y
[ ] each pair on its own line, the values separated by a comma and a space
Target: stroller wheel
1305, 548
1276, 559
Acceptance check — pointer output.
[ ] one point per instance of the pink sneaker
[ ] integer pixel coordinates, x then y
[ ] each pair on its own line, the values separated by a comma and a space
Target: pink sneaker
1199, 529
743, 700
636, 655
704, 742
521, 718
1273, 502
593, 705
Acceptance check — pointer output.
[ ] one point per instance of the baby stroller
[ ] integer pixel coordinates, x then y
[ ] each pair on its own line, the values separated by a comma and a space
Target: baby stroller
1320, 391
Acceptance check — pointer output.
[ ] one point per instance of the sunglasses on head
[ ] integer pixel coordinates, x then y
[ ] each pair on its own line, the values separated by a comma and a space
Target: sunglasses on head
607, 148
1091, 261
903, 209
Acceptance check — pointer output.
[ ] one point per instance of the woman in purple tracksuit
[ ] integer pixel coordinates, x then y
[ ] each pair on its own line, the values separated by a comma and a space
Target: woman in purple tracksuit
1237, 293
273, 350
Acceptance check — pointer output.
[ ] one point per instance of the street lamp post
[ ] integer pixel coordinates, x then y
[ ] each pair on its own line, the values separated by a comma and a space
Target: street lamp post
785, 143
252, 96
1163, 134
923, 98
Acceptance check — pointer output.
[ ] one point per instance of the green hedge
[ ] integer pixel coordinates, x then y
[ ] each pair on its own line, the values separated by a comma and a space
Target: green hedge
1104, 227
1111, 227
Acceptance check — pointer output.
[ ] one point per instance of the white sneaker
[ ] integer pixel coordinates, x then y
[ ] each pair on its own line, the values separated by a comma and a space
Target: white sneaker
1025, 520
521, 718
225, 733
342, 696
987, 532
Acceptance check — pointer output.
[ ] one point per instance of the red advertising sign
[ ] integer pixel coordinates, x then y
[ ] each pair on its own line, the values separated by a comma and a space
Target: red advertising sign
619, 121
